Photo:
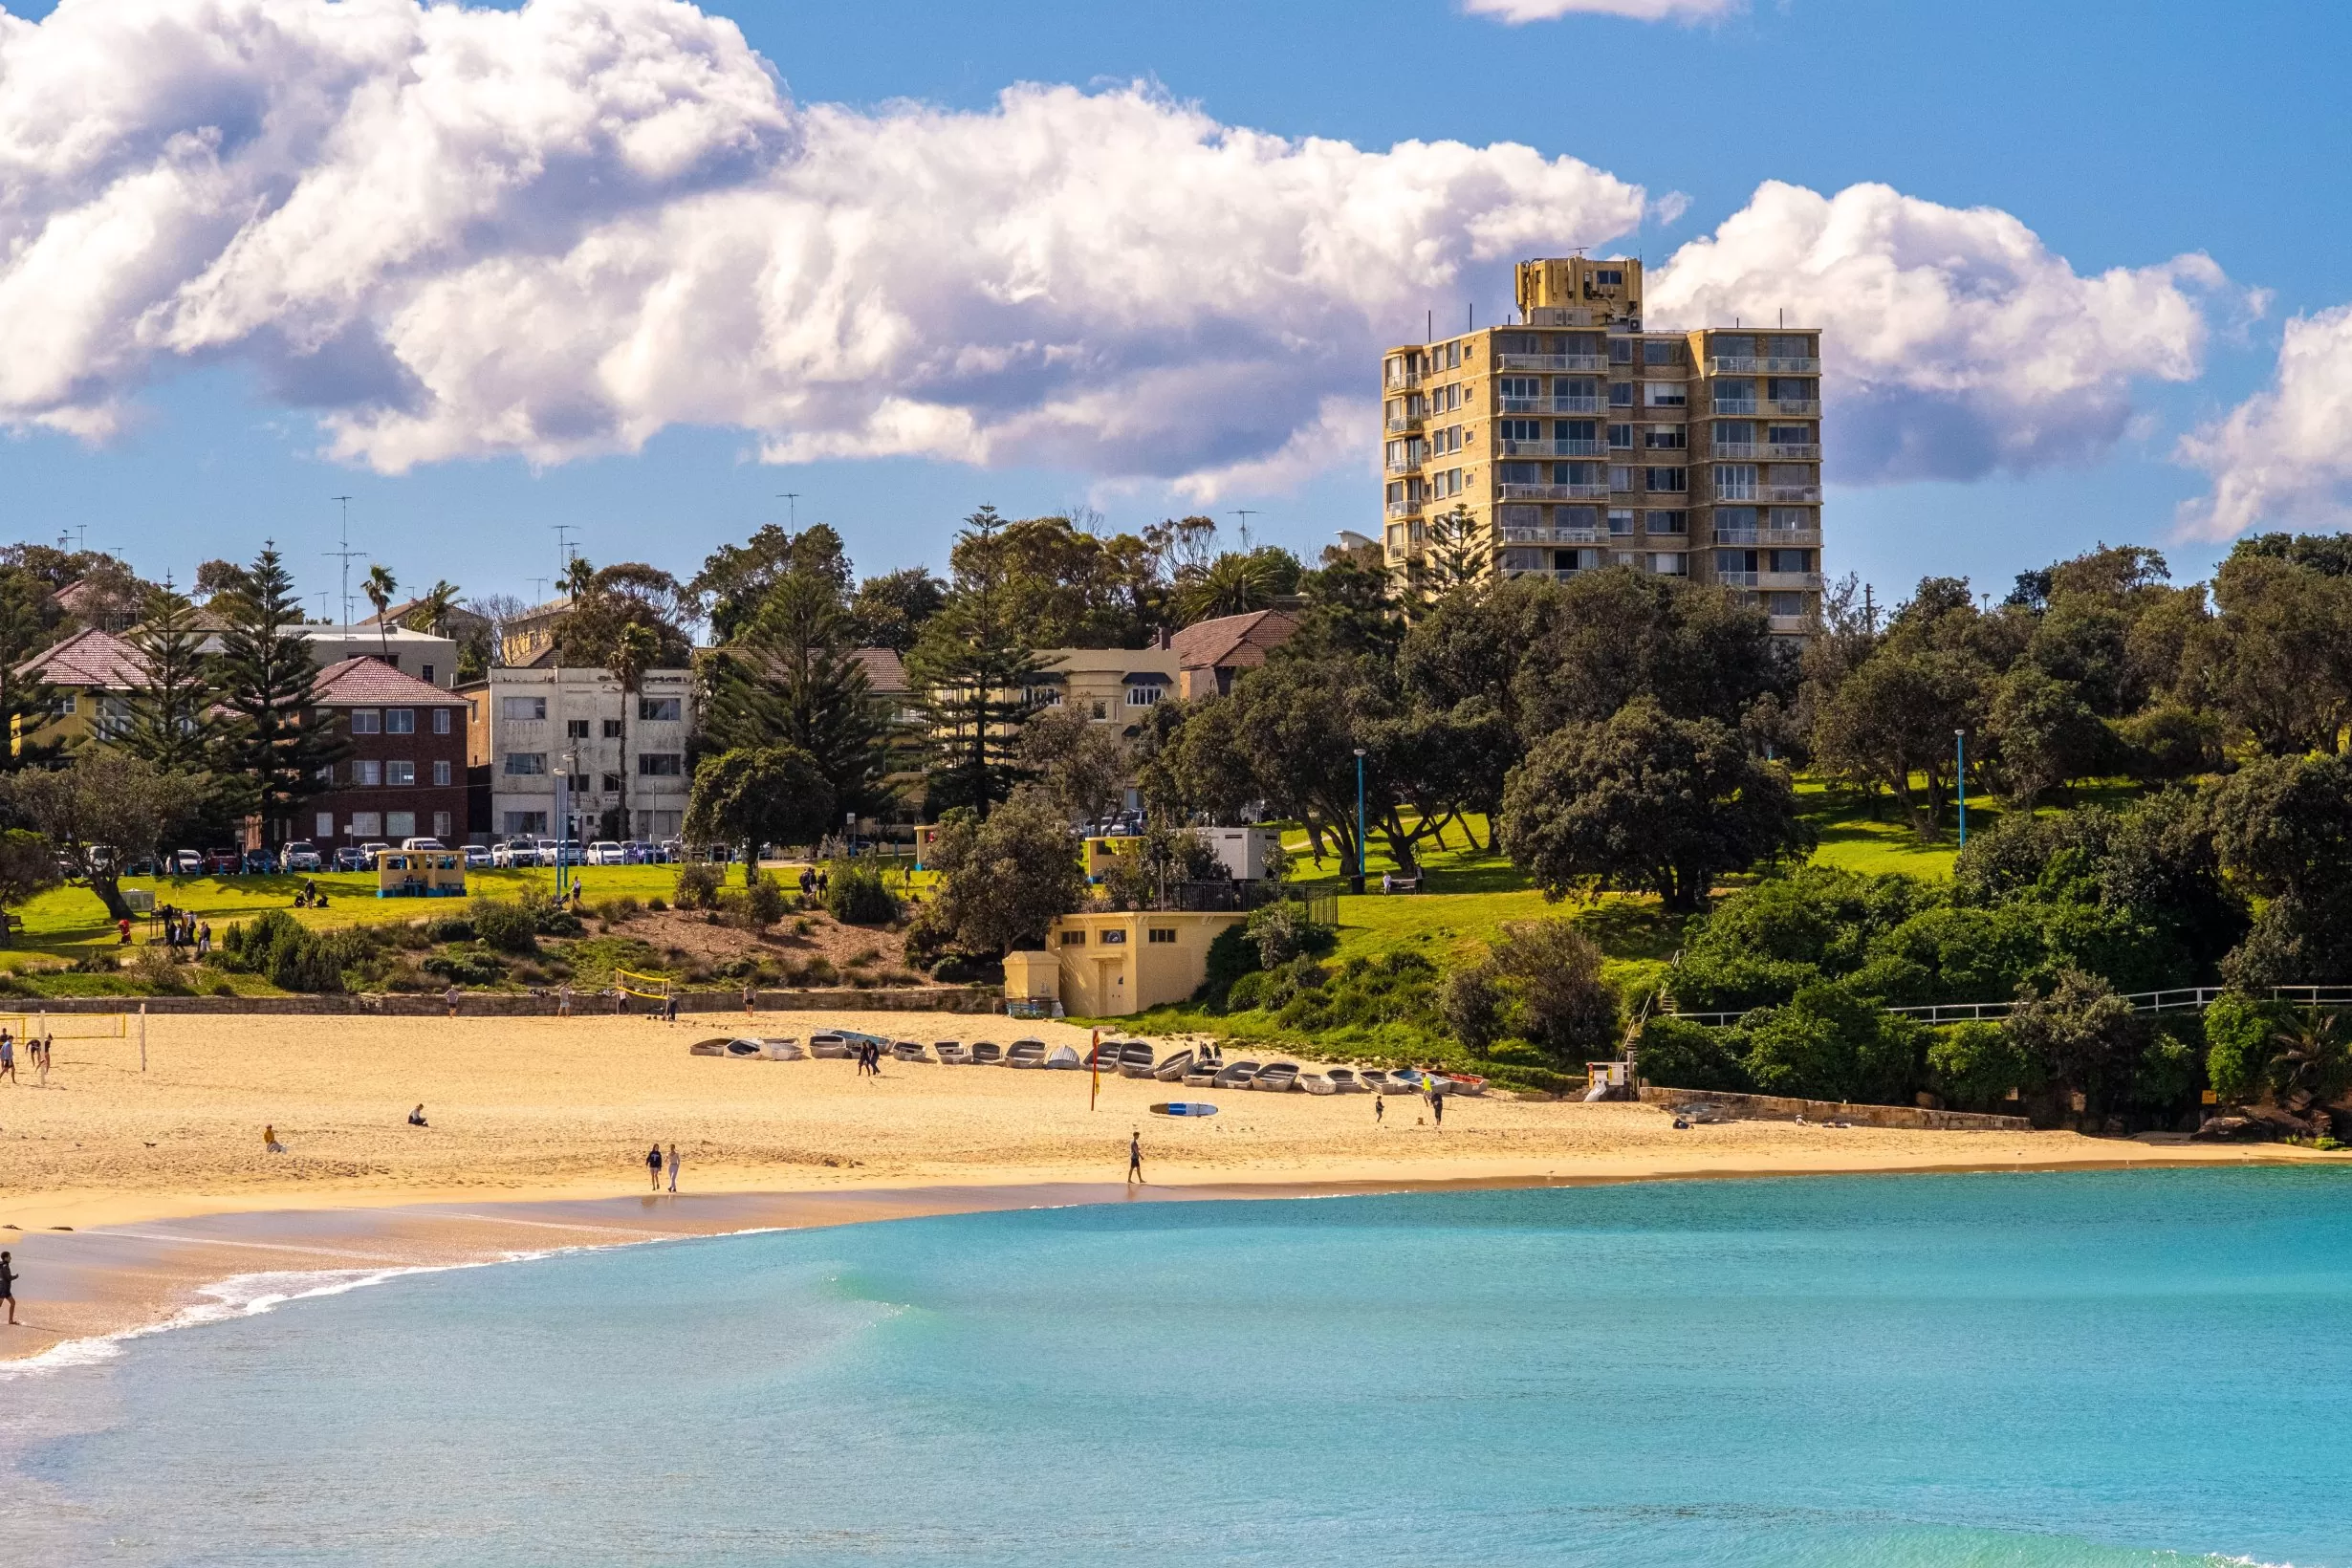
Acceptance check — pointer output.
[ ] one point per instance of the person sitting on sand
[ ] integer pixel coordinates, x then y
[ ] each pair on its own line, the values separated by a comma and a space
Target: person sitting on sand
269, 1142
416, 1118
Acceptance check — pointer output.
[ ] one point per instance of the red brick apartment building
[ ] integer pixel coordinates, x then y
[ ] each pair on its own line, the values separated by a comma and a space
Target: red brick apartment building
405, 773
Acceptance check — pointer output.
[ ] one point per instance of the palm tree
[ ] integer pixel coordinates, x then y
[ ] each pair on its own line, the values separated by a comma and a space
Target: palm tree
379, 587
632, 652
1231, 584
580, 578
432, 610
2307, 1061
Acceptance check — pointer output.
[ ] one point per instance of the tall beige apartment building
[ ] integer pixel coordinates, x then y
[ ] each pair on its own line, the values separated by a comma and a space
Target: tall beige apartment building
1575, 439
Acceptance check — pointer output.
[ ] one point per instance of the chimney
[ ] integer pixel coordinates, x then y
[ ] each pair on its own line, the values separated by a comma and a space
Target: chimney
1164, 638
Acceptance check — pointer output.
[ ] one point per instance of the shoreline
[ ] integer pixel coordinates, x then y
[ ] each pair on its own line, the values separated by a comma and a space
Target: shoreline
162, 1262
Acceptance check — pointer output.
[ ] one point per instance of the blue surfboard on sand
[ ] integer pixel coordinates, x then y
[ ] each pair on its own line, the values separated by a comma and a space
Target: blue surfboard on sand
1185, 1107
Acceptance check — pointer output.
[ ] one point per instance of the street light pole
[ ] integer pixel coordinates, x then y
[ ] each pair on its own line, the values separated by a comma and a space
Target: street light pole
1359, 841
1960, 749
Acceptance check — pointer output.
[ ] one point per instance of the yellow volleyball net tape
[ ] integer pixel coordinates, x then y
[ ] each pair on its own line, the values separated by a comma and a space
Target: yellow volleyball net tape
653, 988
69, 1026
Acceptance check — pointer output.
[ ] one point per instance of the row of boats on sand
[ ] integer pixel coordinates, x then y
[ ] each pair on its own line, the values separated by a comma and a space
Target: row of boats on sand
1201, 1066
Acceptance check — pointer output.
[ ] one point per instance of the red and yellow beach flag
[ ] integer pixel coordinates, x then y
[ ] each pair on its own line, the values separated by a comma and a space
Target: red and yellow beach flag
1094, 1065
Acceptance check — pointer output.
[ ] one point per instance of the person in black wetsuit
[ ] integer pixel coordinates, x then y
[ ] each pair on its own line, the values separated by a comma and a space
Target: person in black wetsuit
1135, 1155
8, 1286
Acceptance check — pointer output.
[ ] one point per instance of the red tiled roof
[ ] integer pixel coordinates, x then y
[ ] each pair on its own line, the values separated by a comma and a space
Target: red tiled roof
884, 673
90, 658
368, 683
1232, 639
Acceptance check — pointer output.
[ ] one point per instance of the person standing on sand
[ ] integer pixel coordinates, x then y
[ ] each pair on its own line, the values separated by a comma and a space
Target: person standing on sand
1135, 1155
750, 998
1380, 1108
1437, 1109
450, 996
673, 1168
203, 938
8, 1056
563, 1000
47, 1041
8, 1286
653, 1165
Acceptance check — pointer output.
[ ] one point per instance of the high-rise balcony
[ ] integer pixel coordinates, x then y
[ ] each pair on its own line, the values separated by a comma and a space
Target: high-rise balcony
1775, 538
1793, 493
1734, 407
1550, 449
1555, 535
1782, 580
1733, 365
1570, 362
1547, 406
1737, 449
1403, 509
1807, 452
1791, 405
1554, 493
1399, 424
1789, 624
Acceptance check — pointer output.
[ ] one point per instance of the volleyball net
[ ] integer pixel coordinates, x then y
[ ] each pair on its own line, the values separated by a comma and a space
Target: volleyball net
68, 1026
652, 988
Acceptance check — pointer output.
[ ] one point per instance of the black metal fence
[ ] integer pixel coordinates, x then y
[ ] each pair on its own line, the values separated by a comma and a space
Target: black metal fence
1242, 897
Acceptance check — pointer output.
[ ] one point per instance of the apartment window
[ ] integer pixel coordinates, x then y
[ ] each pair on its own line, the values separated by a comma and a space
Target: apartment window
1668, 522
1573, 429
1790, 520
1609, 277
526, 764
1665, 438
524, 708
400, 772
365, 824
525, 821
1736, 482
441, 721
66, 705
1667, 481
612, 783
1789, 435
367, 773
1577, 517
1074, 939
441, 826
1620, 351
576, 729
399, 721
1735, 561
1792, 389
1735, 432
1662, 353
399, 824
1665, 395
1791, 348
1621, 394
366, 721
1732, 397
1788, 560
1100, 709
441, 774
425, 674
1161, 934
1620, 479
1144, 696
660, 765
1732, 345
1620, 523
1521, 386
326, 826
658, 710
1669, 563
1522, 430
1784, 604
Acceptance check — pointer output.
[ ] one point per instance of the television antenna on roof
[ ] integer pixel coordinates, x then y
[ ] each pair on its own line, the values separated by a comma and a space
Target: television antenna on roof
1245, 514
346, 555
792, 510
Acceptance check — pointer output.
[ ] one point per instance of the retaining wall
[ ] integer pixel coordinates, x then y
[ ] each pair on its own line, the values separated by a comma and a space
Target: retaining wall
508, 1005
1777, 1109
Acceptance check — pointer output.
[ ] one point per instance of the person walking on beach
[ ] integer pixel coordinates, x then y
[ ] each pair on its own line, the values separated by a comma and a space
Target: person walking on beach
8, 1286
1437, 1109
750, 998
449, 996
203, 938
670, 1010
8, 1056
42, 1059
673, 1168
653, 1167
1135, 1155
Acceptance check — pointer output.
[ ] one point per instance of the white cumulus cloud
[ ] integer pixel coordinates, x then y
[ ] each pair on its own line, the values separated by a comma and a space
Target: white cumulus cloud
1518, 11
555, 231
2283, 456
1955, 343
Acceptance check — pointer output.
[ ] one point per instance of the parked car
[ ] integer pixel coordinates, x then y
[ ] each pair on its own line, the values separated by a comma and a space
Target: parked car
351, 858
301, 855
422, 844
672, 849
513, 852
224, 863
143, 867
257, 862
605, 852
561, 852
371, 849
188, 862
478, 858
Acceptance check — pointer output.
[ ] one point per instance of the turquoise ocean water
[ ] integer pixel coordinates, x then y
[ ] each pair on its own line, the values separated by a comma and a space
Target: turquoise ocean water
2006, 1371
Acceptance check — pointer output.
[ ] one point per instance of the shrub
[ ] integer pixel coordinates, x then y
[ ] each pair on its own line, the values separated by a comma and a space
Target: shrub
449, 928
1283, 932
657, 903
1231, 955
1977, 1064
2237, 1045
617, 911
504, 928
154, 967
1830, 1044
1246, 991
465, 968
698, 885
854, 894
1476, 1003
817, 971
1676, 1053
764, 902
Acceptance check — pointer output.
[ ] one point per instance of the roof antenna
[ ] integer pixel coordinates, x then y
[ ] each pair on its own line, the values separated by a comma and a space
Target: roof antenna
1428, 326
1473, 315
792, 515
346, 554
1245, 514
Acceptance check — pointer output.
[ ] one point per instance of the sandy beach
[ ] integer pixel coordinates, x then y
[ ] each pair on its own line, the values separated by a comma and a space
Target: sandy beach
127, 1193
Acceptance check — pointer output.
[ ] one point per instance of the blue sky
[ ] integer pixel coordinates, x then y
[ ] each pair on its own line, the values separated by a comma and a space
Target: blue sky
2122, 136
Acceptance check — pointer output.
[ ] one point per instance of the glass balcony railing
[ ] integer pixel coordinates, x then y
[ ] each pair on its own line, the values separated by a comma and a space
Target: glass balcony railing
1805, 452
1793, 493
1554, 493
1551, 448
1570, 362
1791, 405
1733, 365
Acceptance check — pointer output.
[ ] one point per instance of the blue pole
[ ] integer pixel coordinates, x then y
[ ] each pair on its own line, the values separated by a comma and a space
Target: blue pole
1960, 748
1360, 840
